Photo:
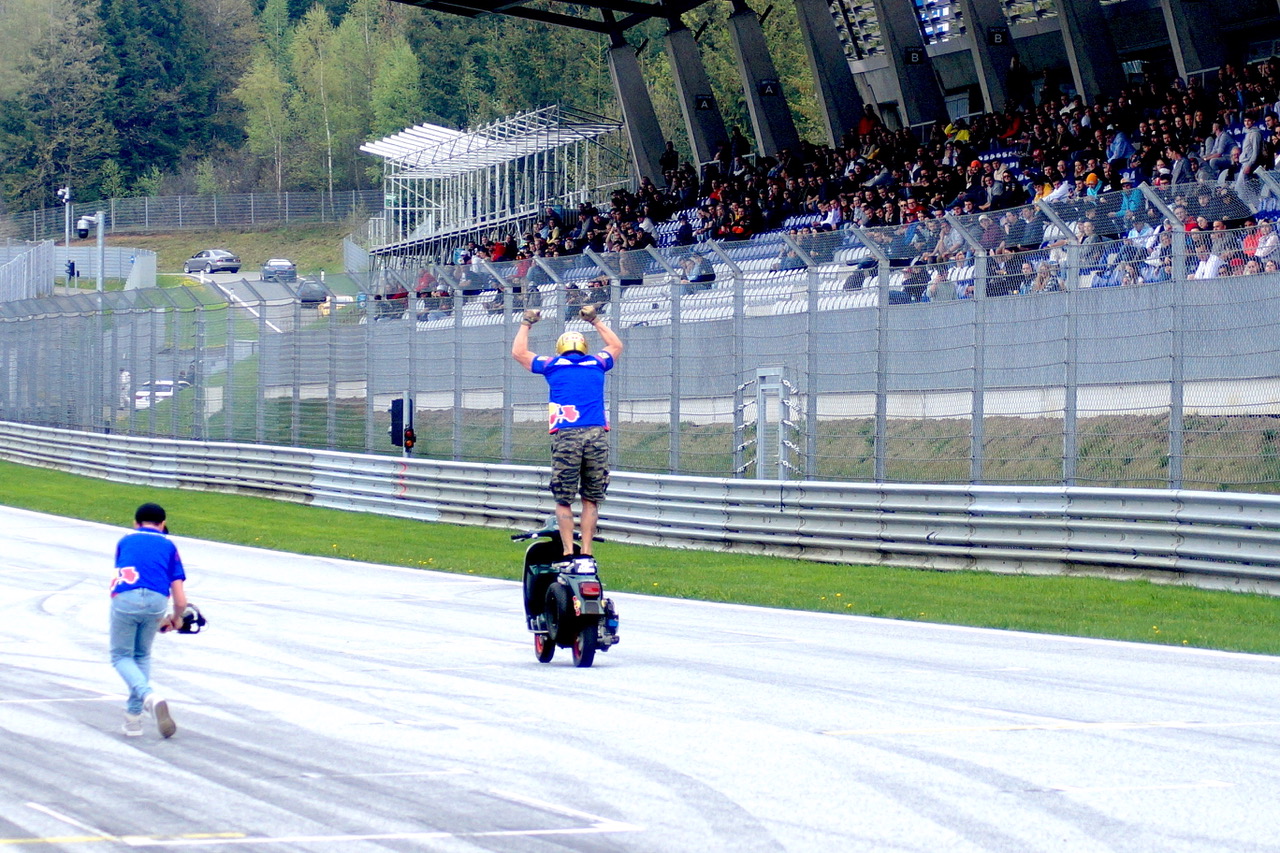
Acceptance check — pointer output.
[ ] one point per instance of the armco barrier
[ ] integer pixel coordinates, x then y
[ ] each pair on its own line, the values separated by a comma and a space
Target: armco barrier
1208, 538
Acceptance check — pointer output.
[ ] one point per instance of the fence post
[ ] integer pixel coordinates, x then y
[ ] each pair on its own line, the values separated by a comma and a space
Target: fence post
977, 405
260, 401
332, 361
457, 376
295, 408
1175, 287
198, 378
229, 384
1071, 378
882, 354
737, 459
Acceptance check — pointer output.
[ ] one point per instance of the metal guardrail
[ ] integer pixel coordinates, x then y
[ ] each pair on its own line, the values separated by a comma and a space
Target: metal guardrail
1207, 538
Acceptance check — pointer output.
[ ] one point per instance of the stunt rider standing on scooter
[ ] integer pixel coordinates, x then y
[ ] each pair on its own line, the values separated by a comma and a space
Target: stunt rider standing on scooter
577, 422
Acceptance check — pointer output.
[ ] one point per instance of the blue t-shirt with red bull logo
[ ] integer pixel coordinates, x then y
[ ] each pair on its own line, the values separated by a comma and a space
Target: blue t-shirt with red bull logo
577, 389
146, 559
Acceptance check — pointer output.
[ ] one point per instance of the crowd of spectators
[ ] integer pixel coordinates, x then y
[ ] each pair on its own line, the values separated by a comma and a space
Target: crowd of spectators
1196, 141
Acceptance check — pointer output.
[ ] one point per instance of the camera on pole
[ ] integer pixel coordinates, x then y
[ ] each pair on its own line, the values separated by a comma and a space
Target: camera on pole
83, 224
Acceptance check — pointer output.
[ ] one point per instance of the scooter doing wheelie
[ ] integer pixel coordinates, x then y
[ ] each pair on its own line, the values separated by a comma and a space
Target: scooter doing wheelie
564, 601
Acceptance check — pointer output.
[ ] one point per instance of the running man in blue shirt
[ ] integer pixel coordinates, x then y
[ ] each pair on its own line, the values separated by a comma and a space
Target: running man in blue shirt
577, 421
148, 572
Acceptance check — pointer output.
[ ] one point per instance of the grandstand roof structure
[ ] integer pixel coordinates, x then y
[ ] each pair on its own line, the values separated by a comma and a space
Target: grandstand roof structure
430, 151
616, 15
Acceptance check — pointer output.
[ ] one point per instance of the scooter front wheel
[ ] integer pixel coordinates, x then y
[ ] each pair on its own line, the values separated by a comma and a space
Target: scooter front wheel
544, 648
584, 645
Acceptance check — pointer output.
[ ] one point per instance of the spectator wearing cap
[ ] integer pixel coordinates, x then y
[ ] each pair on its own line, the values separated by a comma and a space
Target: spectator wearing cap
1092, 185
1119, 148
992, 236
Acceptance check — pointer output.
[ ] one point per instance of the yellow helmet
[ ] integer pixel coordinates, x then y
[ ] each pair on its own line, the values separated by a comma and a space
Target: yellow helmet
571, 342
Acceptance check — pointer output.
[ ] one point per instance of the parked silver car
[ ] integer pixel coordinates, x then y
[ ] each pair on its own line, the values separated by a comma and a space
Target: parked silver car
212, 260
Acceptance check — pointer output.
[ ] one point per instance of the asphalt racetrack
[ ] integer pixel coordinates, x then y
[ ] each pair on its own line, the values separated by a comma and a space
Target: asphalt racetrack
334, 706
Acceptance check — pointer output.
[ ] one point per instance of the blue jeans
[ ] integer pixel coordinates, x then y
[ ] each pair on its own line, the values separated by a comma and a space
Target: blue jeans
135, 617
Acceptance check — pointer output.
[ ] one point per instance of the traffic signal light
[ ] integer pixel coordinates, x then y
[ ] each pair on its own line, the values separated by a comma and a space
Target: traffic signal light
71, 269
409, 438
397, 422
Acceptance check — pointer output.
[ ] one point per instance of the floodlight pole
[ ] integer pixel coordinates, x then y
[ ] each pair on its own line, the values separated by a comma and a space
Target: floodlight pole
64, 193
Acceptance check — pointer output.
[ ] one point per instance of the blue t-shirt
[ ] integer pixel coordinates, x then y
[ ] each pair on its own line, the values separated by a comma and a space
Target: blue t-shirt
577, 389
146, 559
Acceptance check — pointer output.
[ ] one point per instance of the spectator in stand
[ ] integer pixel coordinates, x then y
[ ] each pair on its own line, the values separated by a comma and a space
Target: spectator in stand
1250, 148
1265, 243
1250, 267
1208, 265
992, 236
1046, 279
1180, 169
1162, 271
1215, 151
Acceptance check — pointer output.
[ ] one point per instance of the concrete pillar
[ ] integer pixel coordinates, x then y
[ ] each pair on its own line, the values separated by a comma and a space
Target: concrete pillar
991, 47
640, 122
918, 94
770, 117
702, 118
1193, 35
1095, 65
838, 98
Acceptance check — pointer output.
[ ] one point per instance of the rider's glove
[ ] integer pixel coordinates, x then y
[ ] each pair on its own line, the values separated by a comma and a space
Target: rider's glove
531, 316
588, 313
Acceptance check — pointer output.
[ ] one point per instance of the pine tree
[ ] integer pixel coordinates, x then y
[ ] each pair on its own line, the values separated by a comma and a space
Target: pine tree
163, 93
52, 129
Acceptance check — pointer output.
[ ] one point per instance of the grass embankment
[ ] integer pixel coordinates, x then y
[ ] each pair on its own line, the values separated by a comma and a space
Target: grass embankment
1087, 607
313, 247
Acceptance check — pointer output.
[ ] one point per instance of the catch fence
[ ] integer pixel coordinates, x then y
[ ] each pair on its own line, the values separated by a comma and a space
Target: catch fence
198, 212
820, 372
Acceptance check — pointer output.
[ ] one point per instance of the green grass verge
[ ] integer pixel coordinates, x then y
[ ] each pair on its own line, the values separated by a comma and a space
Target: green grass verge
313, 247
1086, 607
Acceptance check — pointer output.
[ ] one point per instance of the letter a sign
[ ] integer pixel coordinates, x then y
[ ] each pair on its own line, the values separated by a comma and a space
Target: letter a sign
702, 102
768, 88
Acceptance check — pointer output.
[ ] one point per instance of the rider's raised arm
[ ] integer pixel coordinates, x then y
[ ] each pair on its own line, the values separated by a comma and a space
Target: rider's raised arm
612, 343
520, 347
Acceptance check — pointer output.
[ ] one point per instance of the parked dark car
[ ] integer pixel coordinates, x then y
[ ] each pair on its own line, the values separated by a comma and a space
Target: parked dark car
279, 269
212, 260
312, 292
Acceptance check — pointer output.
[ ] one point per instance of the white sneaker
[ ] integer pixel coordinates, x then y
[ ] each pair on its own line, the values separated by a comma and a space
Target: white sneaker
132, 725
158, 708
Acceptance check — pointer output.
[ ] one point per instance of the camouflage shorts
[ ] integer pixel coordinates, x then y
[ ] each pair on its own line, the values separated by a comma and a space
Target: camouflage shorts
579, 461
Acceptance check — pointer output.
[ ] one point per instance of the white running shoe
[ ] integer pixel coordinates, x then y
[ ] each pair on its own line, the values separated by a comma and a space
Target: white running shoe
158, 708
132, 725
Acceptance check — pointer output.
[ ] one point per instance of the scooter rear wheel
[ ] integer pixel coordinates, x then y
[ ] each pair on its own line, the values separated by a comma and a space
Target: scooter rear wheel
560, 621
544, 648
584, 645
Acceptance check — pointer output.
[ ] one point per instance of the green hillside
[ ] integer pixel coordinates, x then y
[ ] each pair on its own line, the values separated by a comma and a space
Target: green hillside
122, 98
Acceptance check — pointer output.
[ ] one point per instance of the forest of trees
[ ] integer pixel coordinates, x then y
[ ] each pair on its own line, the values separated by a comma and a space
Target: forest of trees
144, 97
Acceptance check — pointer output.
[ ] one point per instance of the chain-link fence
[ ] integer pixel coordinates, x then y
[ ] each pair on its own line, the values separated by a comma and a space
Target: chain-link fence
189, 212
1111, 343
26, 270
808, 355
